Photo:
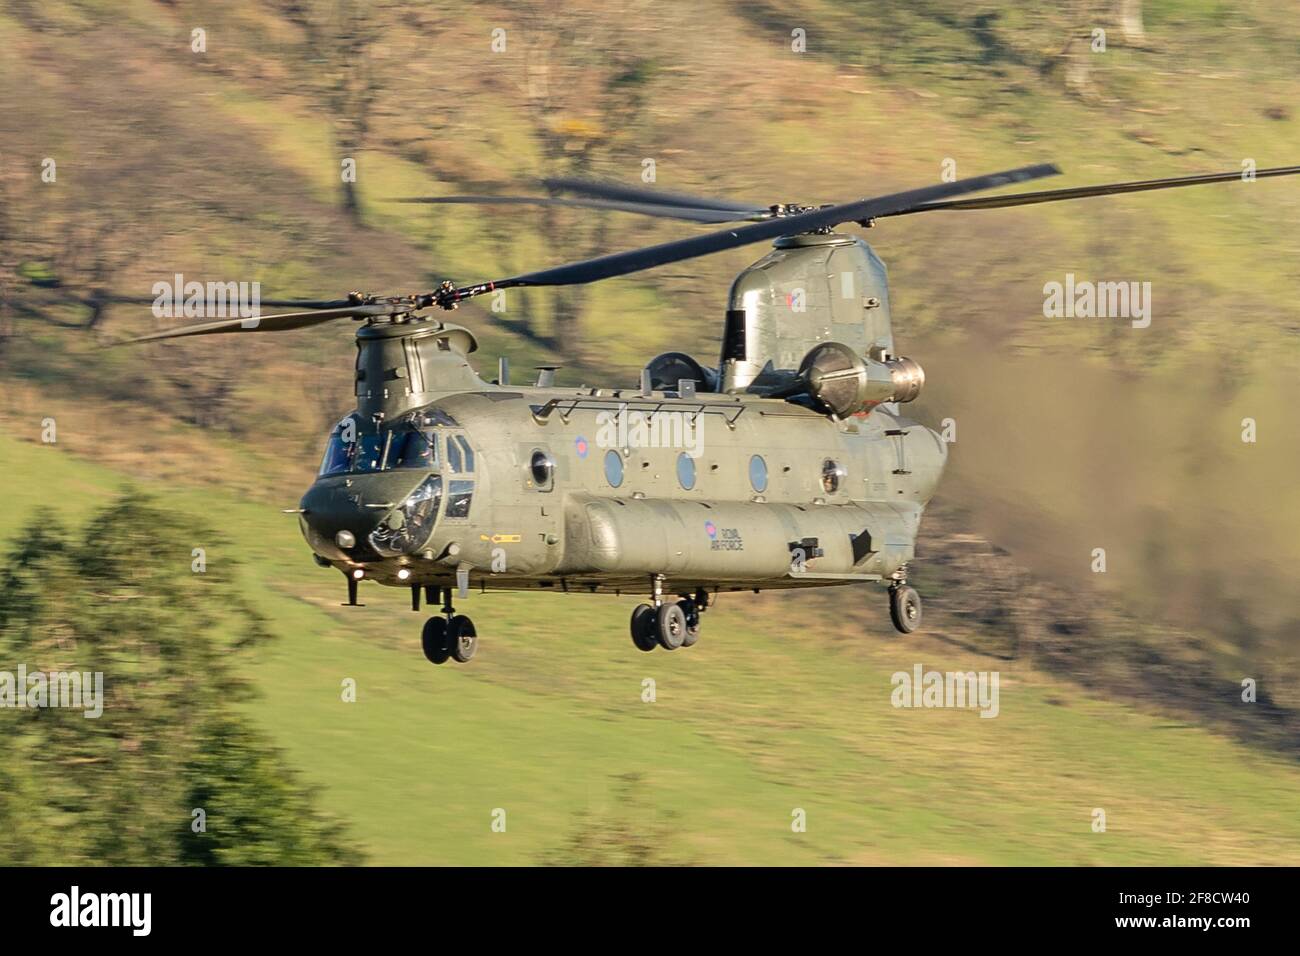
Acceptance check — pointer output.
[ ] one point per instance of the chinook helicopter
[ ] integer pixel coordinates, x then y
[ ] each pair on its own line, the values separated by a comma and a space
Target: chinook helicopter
788, 464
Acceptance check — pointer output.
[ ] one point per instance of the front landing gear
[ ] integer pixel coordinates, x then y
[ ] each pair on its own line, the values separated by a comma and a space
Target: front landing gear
463, 638
668, 624
437, 648
904, 607
449, 635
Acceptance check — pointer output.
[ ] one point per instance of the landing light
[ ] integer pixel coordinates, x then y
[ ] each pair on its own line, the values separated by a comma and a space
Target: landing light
403, 574
358, 573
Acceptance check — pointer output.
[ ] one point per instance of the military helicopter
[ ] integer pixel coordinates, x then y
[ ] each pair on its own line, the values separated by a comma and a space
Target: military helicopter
788, 464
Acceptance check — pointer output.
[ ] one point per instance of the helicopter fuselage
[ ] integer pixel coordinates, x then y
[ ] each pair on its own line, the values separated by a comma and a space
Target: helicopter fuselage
607, 489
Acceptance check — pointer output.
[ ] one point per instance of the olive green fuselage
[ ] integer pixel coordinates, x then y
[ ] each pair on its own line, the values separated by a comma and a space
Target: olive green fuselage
714, 484
842, 500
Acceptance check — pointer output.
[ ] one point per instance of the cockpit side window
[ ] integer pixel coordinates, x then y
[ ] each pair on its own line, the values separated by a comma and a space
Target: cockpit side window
460, 457
459, 495
467, 451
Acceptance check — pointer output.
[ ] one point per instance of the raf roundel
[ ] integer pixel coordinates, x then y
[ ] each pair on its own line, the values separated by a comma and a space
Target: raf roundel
710, 529
580, 446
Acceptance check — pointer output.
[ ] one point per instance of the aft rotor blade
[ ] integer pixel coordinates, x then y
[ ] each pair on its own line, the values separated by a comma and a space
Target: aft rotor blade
623, 263
283, 322
1087, 192
664, 210
617, 191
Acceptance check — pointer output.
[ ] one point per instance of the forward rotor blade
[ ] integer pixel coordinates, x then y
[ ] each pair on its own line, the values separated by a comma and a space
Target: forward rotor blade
1086, 192
664, 210
278, 303
617, 191
622, 263
283, 322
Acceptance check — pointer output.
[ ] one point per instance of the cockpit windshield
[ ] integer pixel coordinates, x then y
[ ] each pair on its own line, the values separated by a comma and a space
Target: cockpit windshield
368, 452
413, 449
406, 445
338, 454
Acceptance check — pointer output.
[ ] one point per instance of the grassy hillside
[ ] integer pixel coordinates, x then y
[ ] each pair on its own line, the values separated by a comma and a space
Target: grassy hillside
548, 724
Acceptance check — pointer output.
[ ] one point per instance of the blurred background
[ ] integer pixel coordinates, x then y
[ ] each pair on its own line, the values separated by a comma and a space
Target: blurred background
145, 138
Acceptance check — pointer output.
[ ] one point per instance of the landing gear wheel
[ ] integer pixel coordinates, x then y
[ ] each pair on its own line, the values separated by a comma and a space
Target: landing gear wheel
692, 614
905, 608
437, 648
643, 628
463, 638
670, 626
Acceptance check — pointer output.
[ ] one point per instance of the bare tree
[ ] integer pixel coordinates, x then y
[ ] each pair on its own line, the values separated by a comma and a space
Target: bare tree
348, 85
1086, 24
582, 97
1074, 62
1129, 13
8, 262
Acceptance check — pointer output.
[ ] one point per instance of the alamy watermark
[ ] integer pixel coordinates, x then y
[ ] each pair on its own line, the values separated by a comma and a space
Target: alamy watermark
630, 428
922, 688
1085, 299
80, 690
75, 908
179, 299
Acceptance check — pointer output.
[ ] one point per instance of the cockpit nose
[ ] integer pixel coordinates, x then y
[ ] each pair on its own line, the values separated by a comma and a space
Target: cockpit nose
368, 517
335, 519
380, 487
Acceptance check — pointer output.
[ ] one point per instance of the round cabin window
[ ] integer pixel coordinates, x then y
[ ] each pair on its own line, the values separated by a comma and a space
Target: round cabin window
758, 474
833, 475
613, 468
686, 471
542, 468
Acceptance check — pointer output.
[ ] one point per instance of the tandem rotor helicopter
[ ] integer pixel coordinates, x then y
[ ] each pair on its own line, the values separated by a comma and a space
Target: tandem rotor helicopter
802, 470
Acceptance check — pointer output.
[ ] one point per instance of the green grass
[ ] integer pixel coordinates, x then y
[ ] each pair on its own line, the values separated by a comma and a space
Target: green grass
776, 708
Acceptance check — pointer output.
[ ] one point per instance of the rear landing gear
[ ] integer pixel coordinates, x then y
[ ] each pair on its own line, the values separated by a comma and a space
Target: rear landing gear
668, 624
904, 607
643, 628
691, 610
449, 635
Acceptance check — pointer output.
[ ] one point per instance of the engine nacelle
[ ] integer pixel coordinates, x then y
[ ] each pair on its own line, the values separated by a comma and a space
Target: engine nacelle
846, 383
